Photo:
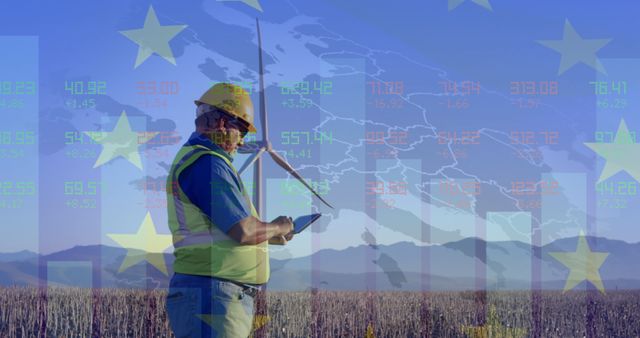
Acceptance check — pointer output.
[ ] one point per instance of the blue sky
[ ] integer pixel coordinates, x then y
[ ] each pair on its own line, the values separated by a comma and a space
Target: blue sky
373, 69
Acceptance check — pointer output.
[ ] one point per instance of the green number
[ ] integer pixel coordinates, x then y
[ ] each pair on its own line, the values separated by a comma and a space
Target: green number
24, 137
68, 86
91, 87
71, 137
284, 90
78, 87
19, 138
78, 187
328, 86
19, 88
5, 188
68, 188
605, 188
102, 88
306, 133
305, 88
6, 88
329, 137
31, 88
282, 135
599, 137
622, 188
6, 137
91, 187
294, 135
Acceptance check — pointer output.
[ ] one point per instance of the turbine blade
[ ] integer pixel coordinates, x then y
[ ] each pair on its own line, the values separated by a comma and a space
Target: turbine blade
250, 160
250, 147
263, 100
281, 162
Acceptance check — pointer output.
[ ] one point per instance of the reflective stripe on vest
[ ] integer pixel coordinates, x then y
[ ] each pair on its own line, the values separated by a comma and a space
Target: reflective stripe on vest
182, 230
201, 248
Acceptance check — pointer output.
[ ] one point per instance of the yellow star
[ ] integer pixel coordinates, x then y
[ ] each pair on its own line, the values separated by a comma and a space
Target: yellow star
621, 155
574, 49
259, 321
153, 38
369, 333
484, 3
493, 328
146, 240
253, 3
122, 141
583, 264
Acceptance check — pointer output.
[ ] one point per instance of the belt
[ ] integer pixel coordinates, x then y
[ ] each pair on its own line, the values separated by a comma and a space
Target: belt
251, 291
247, 289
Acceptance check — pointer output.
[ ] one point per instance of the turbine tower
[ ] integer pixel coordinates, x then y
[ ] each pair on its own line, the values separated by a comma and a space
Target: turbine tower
257, 148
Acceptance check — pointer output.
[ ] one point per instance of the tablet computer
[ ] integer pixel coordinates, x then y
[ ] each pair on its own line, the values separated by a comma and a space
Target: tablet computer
303, 222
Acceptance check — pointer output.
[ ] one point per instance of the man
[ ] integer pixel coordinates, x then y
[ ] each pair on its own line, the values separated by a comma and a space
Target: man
221, 252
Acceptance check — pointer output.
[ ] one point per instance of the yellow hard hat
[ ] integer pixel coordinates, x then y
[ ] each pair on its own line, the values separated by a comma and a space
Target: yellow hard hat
231, 98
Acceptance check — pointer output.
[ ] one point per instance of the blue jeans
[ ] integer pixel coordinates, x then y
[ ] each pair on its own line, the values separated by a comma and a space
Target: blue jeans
201, 306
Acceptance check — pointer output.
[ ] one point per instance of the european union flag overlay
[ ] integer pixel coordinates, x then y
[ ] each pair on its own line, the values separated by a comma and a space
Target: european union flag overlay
478, 160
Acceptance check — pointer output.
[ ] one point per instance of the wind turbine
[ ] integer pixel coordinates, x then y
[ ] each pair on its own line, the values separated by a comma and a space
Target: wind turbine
264, 145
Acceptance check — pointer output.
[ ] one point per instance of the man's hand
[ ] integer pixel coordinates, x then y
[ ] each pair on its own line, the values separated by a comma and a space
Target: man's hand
285, 227
252, 231
281, 240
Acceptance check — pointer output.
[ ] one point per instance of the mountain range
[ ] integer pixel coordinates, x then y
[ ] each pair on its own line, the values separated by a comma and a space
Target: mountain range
403, 266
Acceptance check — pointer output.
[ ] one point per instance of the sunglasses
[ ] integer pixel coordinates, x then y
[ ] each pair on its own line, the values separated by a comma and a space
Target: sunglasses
233, 121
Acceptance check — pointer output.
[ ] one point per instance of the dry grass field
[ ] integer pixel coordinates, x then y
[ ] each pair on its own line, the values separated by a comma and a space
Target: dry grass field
76, 312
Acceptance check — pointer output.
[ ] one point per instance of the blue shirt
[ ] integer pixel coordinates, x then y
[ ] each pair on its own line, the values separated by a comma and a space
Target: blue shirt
213, 186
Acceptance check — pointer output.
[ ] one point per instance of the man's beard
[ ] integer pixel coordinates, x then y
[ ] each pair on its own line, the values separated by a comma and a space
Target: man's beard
226, 139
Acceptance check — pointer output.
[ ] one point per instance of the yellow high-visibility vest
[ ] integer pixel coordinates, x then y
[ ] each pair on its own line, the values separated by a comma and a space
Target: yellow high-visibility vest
201, 248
